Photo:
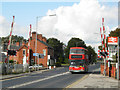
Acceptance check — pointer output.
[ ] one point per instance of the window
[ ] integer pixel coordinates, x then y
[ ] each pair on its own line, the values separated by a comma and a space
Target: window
76, 51
44, 52
24, 52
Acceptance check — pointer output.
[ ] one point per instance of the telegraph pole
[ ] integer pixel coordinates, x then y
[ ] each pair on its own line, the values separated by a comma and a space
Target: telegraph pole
118, 61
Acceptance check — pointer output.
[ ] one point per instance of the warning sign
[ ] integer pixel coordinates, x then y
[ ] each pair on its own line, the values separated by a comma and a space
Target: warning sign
113, 40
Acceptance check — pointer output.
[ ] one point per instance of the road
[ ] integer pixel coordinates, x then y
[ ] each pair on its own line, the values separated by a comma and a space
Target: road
56, 78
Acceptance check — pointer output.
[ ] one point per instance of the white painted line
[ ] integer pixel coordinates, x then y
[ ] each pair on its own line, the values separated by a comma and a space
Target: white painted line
27, 83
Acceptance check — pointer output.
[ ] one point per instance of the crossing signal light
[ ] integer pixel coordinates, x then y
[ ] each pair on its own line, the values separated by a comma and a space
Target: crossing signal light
12, 52
103, 53
106, 53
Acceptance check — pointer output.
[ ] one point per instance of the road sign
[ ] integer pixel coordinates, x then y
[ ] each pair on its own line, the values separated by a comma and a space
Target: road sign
35, 54
41, 55
113, 40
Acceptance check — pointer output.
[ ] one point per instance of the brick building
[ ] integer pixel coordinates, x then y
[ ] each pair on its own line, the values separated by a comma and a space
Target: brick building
42, 48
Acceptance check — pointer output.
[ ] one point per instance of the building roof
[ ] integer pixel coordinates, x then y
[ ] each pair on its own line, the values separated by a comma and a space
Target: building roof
45, 44
14, 47
22, 47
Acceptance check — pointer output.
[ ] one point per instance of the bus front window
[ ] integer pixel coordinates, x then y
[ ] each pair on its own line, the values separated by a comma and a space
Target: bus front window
77, 63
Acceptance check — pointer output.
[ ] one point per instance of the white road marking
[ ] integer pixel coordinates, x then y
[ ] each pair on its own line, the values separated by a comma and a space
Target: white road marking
27, 83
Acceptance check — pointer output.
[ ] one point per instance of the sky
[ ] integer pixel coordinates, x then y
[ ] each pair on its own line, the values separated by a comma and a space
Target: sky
74, 18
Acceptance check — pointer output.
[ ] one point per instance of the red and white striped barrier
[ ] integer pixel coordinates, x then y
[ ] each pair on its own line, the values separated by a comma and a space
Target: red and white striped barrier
29, 45
105, 47
9, 43
108, 53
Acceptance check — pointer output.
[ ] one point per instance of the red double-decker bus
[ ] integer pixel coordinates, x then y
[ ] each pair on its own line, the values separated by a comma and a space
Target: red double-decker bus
78, 59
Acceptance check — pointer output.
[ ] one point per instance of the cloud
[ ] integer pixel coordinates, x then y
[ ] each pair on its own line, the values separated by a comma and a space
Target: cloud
80, 20
5, 28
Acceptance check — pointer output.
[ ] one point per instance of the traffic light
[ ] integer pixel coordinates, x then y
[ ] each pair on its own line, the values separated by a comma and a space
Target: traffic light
12, 52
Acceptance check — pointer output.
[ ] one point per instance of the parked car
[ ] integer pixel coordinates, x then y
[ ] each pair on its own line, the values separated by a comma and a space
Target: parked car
35, 66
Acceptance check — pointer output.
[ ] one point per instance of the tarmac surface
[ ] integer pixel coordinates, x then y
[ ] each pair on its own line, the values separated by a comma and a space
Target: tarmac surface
93, 79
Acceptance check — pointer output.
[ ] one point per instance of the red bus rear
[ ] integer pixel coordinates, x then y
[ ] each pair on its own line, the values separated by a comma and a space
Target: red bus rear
78, 59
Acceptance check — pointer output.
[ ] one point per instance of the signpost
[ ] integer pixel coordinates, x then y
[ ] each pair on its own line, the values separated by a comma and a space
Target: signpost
35, 54
118, 61
39, 55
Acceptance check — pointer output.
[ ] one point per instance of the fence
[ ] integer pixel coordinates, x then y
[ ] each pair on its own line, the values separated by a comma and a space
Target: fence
112, 71
16, 68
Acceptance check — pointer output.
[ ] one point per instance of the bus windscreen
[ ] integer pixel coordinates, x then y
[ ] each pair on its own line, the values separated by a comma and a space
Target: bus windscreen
76, 62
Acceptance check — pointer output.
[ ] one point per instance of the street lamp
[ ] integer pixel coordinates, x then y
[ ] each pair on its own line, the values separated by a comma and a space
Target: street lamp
36, 35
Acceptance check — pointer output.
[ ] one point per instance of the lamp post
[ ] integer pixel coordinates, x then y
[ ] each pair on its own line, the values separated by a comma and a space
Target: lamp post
36, 35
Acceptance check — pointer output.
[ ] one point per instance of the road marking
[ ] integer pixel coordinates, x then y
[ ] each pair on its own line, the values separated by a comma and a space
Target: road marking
70, 86
27, 83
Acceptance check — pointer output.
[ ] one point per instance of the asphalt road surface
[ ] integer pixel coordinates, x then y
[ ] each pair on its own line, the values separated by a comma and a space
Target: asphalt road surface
56, 78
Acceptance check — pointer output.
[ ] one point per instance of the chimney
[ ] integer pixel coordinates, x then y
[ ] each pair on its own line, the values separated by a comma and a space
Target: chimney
44, 39
39, 36
33, 35
17, 43
23, 43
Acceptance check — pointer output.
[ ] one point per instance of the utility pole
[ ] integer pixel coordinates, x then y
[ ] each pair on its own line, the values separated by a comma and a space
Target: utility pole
36, 43
118, 61
36, 37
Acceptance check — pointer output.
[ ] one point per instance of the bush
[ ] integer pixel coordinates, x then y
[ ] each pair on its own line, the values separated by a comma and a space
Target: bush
58, 64
66, 61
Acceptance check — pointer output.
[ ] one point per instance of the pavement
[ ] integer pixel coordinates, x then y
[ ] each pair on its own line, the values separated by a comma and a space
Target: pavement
96, 80
3, 77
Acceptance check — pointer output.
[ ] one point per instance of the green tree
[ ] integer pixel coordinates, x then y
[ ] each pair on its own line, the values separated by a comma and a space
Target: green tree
115, 33
74, 42
91, 54
58, 49
14, 39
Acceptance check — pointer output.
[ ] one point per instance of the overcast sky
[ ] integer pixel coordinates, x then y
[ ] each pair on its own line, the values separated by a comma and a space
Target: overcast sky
81, 18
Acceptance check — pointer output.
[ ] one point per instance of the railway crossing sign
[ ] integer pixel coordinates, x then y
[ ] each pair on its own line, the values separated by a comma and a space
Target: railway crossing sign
113, 40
